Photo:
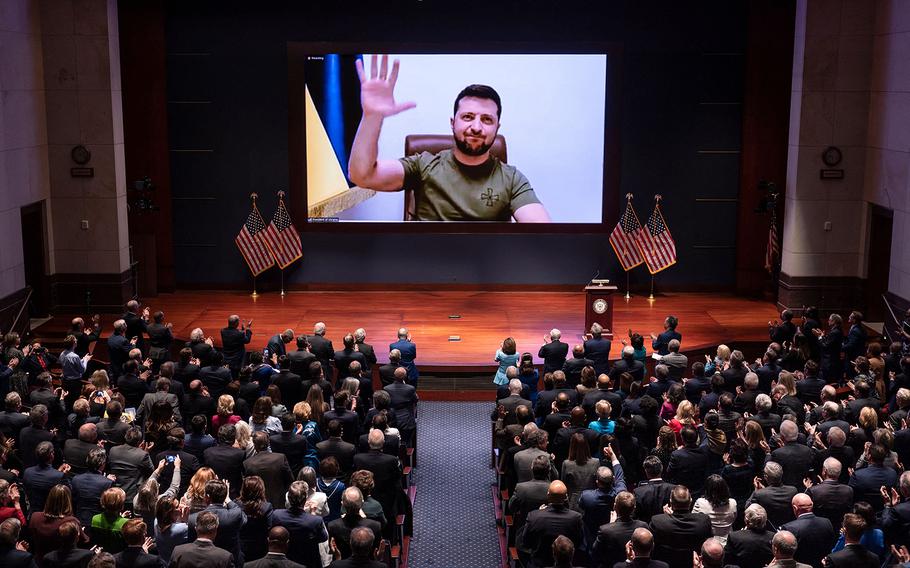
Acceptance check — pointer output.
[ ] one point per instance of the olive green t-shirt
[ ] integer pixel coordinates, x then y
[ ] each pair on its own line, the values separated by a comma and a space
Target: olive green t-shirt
447, 190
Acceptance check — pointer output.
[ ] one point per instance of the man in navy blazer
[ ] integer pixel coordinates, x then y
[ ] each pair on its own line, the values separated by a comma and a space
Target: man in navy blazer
661, 343
553, 351
597, 349
896, 514
306, 530
408, 350
40, 478
231, 519
855, 342
118, 345
276, 344
867, 481
10, 556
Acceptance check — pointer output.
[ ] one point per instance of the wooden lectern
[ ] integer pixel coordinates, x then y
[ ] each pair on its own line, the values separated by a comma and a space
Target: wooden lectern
599, 307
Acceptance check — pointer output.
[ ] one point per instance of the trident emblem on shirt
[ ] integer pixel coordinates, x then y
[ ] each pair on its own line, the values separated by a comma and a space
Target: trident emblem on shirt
489, 197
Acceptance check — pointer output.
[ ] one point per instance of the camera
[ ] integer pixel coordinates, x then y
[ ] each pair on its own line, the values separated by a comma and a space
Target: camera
170, 459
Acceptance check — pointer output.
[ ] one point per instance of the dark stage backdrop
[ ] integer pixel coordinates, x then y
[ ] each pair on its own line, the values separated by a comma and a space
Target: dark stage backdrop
680, 112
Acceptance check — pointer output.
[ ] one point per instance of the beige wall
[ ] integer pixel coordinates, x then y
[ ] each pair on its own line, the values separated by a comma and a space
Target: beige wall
59, 87
23, 132
887, 181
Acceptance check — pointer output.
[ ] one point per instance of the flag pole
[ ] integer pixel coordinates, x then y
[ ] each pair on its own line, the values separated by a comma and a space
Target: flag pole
627, 286
282, 283
255, 294
651, 295
657, 199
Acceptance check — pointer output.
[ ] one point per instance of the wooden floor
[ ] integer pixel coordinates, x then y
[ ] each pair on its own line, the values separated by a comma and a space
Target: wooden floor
486, 319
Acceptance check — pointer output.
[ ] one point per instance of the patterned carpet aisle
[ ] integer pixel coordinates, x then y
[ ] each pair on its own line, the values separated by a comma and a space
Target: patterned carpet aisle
454, 524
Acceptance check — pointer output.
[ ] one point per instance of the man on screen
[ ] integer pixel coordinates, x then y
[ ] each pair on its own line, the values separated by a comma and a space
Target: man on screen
465, 183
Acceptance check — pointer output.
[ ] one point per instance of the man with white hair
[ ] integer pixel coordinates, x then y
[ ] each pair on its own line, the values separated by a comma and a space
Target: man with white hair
676, 361
360, 336
553, 351
832, 498
627, 364
597, 349
795, 458
323, 349
408, 350
745, 397
771, 494
505, 407
768, 420
136, 323
202, 347
751, 547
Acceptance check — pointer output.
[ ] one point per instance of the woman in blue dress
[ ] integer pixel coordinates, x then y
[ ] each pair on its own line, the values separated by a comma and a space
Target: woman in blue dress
507, 357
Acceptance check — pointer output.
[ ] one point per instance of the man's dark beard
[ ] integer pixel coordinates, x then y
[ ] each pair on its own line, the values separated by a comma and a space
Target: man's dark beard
463, 146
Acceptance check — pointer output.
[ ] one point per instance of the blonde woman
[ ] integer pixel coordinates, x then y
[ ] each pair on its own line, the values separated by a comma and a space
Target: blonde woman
244, 439
194, 498
686, 415
720, 362
224, 413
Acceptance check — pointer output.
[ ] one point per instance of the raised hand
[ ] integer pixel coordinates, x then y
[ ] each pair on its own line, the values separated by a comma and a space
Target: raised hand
377, 92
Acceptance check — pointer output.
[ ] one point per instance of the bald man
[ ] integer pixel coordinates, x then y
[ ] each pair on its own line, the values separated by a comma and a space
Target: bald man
544, 525
711, 556
638, 551
783, 546
816, 535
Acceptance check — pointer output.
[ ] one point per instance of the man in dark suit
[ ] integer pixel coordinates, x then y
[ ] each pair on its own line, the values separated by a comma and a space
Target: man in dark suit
350, 421
293, 446
131, 385
216, 376
273, 468
862, 399
596, 505
896, 514
76, 450
773, 495
231, 519
573, 367
386, 473
602, 392
361, 552
651, 495
202, 553
277, 554
408, 350
129, 463
689, 465
160, 340
225, 459
34, 434
628, 364
403, 400
809, 388
783, 331
185, 371
277, 343
340, 529
118, 347
287, 382
202, 347
530, 495
854, 343
346, 356
854, 554
698, 384
610, 544
176, 457
306, 530
300, 359
10, 555
751, 546
680, 533
832, 499
656, 389
12, 420
51, 398
136, 323
553, 351
544, 525
867, 481
563, 437
796, 459
831, 343
112, 429
335, 446
136, 554
510, 403
40, 478
815, 534
546, 398
234, 339
660, 343
360, 336
597, 349
323, 350
387, 371
87, 487
768, 371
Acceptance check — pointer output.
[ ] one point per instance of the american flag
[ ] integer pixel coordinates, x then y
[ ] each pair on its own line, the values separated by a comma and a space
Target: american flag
282, 237
656, 243
622, 239
250, 241
772, 251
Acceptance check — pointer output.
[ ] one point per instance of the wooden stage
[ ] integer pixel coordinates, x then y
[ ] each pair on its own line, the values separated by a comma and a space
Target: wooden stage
486, 318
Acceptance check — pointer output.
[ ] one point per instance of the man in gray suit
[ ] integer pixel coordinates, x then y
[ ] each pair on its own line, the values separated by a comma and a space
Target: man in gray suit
675, 361
530, 495
202, 553
537, 446
162, 393
129, 463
